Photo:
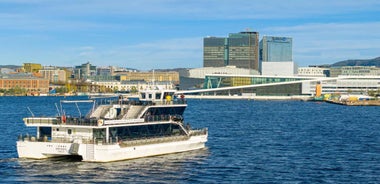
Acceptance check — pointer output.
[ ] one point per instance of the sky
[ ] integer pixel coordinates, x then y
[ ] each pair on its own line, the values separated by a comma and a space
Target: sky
163, 34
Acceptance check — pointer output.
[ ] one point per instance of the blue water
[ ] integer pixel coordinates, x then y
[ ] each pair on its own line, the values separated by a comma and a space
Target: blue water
249, 142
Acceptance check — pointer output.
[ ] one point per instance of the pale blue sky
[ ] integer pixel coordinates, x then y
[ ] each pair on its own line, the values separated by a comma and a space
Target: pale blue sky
152, 34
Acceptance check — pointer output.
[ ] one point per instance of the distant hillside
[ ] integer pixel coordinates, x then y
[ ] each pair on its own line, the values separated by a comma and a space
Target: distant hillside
10, 66
358, 62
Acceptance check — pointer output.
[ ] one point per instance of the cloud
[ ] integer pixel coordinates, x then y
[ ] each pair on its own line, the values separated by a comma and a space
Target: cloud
331, 42
196, 9
119, 14
170, 53
168, 33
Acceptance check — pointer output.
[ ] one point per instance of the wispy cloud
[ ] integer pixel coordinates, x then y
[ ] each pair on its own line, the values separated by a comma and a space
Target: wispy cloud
171, 53
168, 33
330, 42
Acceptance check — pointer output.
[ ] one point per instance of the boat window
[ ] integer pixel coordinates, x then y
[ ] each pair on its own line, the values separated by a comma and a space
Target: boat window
148, 131
167, 111
99, 133
142, 95
69, 131
45, 131
158, 95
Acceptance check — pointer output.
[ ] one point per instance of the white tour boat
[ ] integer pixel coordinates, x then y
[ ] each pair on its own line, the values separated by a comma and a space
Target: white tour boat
149, 125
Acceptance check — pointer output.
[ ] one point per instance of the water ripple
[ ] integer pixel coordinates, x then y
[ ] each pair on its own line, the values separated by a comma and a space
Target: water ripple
249, 142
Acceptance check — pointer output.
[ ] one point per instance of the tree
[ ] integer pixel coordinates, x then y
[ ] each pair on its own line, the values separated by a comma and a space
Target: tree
115, 89
61, 90
133, 89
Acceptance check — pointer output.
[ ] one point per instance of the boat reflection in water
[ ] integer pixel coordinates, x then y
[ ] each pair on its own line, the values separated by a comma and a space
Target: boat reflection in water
173, 165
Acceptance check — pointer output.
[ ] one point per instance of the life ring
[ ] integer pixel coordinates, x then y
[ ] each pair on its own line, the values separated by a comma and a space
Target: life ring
100, 122
63, 118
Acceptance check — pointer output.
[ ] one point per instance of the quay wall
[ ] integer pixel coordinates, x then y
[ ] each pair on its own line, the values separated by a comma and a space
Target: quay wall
226, 97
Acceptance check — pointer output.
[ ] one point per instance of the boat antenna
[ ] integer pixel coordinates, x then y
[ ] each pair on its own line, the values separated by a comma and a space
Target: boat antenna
60, 104
30, 111
93, 107
153, 81
80, 114
56, 106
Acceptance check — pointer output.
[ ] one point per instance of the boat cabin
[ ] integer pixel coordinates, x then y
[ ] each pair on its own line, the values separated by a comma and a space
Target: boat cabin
157, 96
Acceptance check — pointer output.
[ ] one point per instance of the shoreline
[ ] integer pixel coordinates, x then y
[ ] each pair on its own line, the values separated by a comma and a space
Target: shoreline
220, 97
356, 103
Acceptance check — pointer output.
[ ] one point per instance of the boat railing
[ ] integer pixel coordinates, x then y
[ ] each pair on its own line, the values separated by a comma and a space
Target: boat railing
41, 121
81, 121
65, 139
195, 132
60, 121
139, 102
171, 102
78, 121
163, 117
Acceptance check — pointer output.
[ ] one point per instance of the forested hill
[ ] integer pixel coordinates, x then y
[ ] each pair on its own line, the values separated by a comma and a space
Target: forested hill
358, 62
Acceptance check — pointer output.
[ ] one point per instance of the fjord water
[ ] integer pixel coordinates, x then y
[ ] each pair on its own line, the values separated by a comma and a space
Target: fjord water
249, 142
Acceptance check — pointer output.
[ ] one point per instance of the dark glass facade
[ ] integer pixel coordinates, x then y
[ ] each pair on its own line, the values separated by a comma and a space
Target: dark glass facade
214, 52
239, 49
243, 50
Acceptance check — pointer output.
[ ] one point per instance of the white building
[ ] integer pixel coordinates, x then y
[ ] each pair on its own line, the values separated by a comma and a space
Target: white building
54, 74
6, 70
200, 73
281, 68
290, 85
312, 71
344, 85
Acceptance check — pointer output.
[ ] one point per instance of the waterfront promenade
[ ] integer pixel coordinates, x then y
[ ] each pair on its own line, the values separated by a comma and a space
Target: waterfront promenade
232, 97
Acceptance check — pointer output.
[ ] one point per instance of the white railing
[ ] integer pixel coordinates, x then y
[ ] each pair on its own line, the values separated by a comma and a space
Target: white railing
41, 121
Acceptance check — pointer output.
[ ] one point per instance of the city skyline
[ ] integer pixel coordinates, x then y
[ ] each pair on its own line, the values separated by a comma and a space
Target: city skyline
169, 34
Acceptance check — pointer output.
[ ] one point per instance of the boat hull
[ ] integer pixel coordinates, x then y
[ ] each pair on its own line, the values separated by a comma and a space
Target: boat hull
106, 152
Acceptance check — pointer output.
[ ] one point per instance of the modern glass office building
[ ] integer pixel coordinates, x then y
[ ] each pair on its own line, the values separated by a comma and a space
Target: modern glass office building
239, 49
276, 49
215, 52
